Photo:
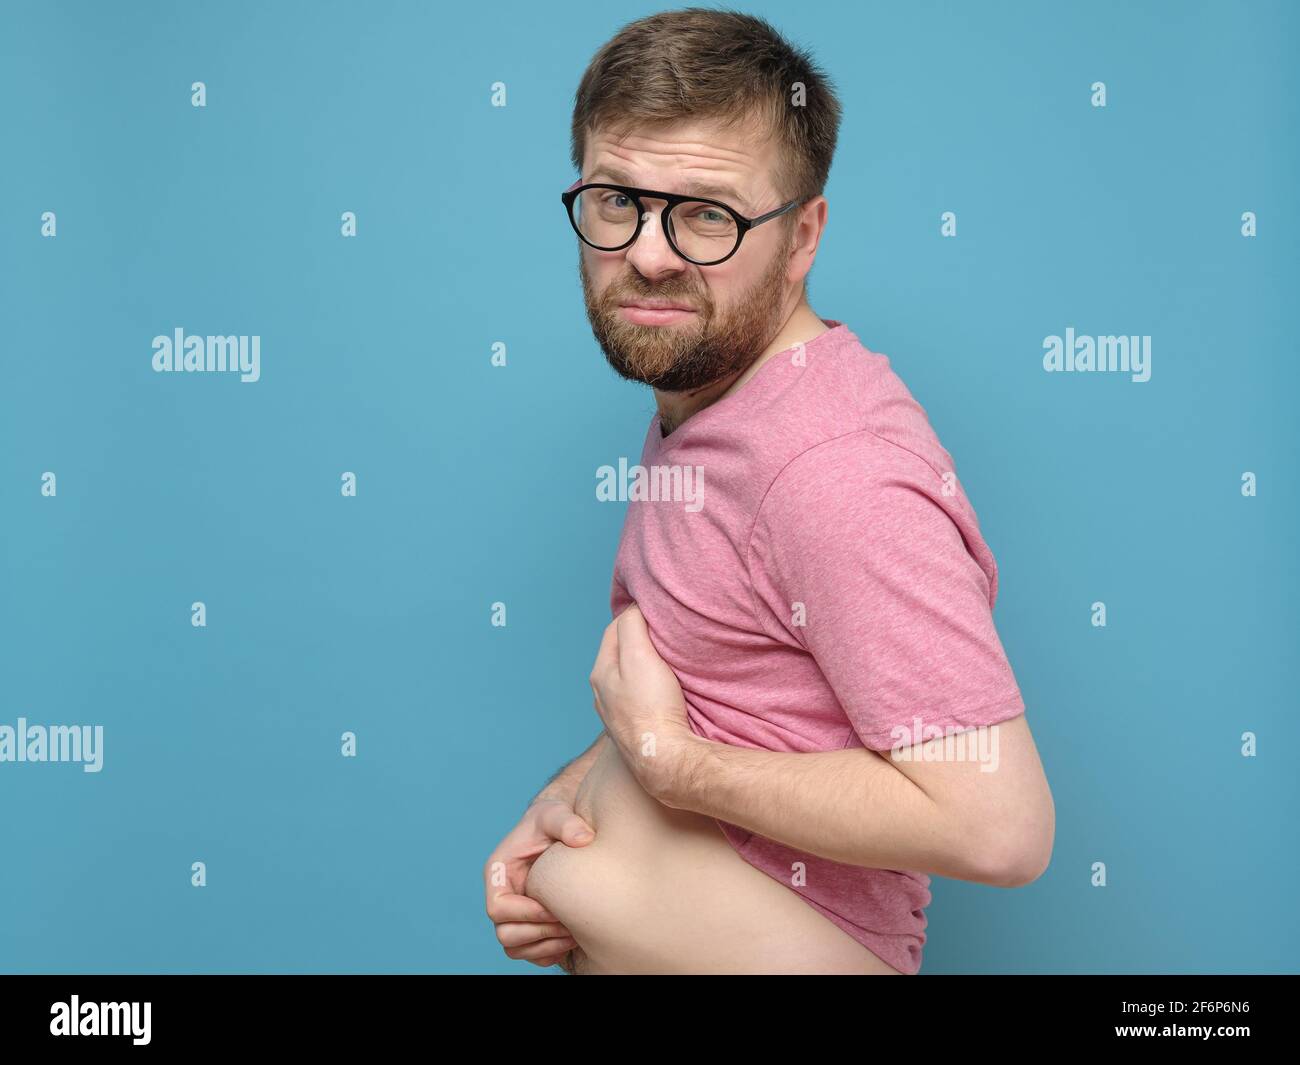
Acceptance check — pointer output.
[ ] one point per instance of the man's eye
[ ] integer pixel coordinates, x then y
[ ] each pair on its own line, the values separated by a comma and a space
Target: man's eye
708, 217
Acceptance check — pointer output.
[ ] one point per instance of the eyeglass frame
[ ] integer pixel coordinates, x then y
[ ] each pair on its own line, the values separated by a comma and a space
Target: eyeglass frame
672, 199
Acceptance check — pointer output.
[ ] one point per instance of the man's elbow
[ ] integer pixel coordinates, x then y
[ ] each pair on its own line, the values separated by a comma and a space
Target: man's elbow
1022, 867
1018, 857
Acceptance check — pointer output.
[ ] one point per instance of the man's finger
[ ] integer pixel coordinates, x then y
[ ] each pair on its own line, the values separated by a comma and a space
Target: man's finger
521, 933
560, 822
546, 963
633, 633
509, 906
607, 654
545, 949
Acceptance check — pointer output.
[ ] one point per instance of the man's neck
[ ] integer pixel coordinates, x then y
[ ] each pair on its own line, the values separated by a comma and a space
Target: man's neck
676, 407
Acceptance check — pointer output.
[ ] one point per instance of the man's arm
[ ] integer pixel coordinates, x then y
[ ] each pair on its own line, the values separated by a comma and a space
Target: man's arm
949, 818
985, 815
563, 784
863, 556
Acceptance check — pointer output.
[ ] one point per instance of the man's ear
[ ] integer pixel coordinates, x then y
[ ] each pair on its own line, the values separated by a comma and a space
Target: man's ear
807, 235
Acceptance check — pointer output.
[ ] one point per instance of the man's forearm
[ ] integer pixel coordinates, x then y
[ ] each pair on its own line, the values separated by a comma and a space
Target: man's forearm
850, 806
564, 783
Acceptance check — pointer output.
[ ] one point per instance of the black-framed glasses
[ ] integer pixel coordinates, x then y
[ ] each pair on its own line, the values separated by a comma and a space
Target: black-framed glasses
702, 231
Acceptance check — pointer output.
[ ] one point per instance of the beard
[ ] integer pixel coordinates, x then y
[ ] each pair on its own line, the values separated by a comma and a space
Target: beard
707, 348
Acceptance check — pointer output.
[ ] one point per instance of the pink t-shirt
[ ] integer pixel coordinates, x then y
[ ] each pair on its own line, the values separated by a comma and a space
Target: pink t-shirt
814, 574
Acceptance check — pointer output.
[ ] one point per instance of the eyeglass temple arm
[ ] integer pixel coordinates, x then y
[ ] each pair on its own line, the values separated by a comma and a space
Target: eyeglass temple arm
773, 214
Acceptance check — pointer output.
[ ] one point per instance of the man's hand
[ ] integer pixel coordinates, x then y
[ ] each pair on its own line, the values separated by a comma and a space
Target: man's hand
525, 928
639, 700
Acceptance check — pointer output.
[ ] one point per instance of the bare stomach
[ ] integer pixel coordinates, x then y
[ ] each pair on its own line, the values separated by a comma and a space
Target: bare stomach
663, 891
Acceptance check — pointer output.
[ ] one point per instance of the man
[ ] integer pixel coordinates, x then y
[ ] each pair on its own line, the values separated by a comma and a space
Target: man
802, 597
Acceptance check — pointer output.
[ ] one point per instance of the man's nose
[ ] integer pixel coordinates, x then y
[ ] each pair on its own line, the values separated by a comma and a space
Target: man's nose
651, 253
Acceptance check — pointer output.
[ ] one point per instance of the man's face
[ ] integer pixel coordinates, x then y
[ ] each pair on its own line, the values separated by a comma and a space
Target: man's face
734, 309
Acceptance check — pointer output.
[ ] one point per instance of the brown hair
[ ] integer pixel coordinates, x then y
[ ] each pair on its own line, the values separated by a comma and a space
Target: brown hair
720, 65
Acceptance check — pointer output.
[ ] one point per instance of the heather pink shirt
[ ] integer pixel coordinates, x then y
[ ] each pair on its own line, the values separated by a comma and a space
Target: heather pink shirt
827, 585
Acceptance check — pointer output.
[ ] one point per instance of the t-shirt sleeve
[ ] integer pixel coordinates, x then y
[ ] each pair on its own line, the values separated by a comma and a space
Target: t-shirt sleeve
871, 561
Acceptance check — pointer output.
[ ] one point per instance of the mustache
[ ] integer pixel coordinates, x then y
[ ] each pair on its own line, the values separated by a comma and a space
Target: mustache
616, 292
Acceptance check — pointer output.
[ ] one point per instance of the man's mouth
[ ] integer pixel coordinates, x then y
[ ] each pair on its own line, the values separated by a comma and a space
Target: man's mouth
655, 312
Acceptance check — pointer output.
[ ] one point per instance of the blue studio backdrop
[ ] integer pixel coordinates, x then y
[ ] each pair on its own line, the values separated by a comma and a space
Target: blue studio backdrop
130, 209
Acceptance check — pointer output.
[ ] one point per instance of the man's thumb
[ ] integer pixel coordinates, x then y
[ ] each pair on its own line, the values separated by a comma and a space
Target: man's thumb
576, 832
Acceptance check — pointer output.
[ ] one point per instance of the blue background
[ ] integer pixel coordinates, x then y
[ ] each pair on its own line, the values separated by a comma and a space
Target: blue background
476, 483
